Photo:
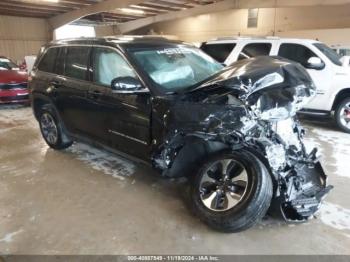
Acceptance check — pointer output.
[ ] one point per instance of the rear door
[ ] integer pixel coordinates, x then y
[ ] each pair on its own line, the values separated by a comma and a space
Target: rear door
125, 115
72, 87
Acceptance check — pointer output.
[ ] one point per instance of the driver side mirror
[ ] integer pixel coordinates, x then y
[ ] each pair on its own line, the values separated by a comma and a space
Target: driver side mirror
127, 84
315, 63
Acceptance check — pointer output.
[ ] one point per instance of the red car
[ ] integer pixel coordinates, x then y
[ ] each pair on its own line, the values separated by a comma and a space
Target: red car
13, 83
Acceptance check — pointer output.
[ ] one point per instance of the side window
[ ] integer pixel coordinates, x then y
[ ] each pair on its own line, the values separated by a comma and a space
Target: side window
47, 63
76, 65
219, 52
295, 52
108, 65
255, 49
60, 61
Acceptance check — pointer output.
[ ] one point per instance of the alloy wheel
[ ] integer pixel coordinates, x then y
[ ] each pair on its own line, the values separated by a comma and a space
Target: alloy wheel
49, 128
345, 115
223, 185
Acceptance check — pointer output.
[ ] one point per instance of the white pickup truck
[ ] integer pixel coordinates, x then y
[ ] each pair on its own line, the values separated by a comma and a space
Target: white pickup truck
330, 74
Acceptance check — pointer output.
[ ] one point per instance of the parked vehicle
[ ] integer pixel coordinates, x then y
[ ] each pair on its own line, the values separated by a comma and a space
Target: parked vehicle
13, 83
232, 130
330, 74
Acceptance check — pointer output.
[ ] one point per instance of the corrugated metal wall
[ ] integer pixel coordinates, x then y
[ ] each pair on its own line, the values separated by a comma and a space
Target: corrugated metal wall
20, 36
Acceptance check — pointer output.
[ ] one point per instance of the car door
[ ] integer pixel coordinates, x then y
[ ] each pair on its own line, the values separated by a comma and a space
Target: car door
126, 115
72, 89
321, 77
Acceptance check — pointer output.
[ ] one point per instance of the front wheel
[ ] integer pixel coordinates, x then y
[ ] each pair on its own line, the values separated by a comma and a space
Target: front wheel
232, 191
342, 115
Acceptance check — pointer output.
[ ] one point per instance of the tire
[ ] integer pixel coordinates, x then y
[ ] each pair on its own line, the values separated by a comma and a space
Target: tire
342, 115
51, 129
253, 203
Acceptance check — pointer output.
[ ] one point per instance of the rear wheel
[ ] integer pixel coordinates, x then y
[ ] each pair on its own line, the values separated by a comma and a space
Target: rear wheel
51, 129
232, 191
342, 115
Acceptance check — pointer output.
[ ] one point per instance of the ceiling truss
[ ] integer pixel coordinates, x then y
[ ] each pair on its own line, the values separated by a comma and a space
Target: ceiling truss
48, 9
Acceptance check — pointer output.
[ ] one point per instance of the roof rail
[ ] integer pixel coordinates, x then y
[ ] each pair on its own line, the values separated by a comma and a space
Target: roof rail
244, 37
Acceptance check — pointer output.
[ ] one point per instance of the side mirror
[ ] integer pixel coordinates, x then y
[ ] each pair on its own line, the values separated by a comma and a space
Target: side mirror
345, 60
315, 63
127, 84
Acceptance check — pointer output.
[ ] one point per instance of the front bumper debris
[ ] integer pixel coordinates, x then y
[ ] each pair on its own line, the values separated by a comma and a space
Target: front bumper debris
302, 192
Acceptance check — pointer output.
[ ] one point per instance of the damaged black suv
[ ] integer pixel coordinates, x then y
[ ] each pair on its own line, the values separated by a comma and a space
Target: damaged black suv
232, 130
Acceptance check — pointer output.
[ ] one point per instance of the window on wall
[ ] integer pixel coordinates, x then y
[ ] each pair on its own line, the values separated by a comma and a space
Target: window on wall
253, 50
253, 14
74, 31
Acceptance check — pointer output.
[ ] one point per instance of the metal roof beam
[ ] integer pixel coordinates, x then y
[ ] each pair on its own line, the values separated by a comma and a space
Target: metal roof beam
104, 6
222, 6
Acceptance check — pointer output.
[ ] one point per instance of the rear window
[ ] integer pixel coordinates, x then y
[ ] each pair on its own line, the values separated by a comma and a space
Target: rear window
47, 63
219, 52
255, 49
76, 65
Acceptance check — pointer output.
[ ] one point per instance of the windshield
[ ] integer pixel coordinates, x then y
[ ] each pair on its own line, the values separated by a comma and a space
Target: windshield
176, 68
330, 53
7, 64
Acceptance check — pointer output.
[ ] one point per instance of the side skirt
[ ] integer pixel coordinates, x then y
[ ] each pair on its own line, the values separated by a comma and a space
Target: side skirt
83, 139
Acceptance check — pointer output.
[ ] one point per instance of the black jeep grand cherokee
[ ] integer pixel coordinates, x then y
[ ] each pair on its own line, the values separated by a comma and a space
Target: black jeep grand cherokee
233, 130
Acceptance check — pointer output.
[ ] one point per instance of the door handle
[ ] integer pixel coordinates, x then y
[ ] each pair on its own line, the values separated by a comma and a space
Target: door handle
94, 94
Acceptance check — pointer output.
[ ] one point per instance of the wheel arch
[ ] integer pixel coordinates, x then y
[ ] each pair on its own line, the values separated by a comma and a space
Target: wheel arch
38, 101
192, 152
196, 149
342, 94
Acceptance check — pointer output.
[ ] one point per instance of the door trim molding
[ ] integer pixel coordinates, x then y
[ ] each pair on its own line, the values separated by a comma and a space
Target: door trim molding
126, 136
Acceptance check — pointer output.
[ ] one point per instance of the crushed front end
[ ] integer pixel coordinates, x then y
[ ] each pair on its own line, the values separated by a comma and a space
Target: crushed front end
252, 105
301, 182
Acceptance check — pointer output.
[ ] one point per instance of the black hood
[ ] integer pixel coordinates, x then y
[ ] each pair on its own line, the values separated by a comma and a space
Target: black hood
263, 82
251, 76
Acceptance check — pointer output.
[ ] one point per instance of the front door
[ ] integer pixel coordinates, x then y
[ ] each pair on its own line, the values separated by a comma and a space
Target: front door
322, 78
126, 116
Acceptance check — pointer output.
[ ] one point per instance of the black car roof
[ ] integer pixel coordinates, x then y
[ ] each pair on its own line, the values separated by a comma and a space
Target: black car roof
118, 40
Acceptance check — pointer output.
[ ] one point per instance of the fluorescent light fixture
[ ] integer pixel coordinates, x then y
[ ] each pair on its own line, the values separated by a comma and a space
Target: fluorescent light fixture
132, 11
74, 31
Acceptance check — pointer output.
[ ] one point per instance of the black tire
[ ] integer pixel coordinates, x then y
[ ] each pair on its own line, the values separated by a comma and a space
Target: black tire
61, 141
338, 114
254, 202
